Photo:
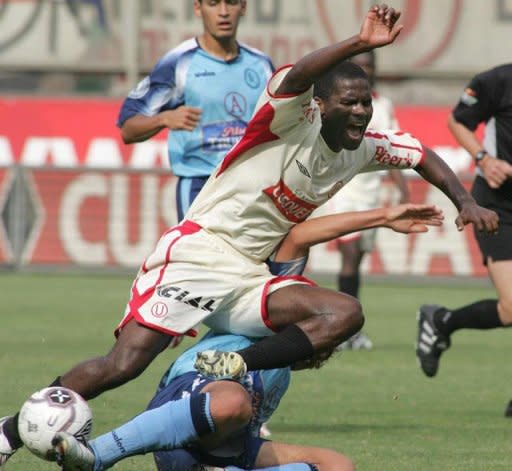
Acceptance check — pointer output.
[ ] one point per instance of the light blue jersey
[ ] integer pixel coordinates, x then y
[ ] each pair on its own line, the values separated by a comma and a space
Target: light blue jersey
225, 91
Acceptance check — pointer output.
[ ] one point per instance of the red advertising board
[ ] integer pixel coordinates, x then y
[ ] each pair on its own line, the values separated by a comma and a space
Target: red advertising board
98, 218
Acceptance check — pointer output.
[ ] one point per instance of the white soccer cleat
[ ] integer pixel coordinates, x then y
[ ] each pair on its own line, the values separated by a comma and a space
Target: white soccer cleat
220, 365
72, 454
6, 450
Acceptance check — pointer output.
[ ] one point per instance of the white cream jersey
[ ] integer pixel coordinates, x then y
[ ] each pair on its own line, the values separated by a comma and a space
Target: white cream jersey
282, 169
364, 189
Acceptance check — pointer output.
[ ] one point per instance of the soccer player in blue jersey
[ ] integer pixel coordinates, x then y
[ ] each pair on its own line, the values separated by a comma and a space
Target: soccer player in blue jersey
204, 91
195, 420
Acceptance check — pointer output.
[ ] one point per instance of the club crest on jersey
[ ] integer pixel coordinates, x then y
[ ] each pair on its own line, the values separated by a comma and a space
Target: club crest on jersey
469, 97
384, 157
252, 78
288, 203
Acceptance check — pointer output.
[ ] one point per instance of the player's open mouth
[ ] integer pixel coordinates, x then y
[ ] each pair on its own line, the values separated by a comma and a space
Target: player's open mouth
355, 131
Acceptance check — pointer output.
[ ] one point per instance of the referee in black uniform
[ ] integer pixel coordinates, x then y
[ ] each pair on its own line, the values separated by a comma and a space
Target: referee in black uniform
486, 99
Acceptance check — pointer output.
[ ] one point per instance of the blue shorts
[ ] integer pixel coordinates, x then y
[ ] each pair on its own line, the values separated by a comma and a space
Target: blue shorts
241, 451
186, 191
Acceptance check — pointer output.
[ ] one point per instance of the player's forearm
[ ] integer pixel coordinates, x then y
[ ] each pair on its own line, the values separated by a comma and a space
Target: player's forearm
435, 171
140, 128
325, 228
464, 136
311, 67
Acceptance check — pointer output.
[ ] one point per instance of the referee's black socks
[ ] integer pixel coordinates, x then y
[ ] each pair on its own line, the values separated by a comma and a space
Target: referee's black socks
482, 315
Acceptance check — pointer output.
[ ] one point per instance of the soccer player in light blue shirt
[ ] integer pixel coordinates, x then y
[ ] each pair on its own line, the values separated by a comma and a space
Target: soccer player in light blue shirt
204, 91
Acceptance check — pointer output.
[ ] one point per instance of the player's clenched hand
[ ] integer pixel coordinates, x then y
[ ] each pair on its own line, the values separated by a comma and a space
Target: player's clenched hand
380, 26
483, 219
183, 117
408, 218
495, 171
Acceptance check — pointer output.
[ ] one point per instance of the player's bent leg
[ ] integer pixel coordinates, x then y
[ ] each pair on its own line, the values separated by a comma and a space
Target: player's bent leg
501, 274
230, 409
326, 317
134, 350
272, 454
308, 320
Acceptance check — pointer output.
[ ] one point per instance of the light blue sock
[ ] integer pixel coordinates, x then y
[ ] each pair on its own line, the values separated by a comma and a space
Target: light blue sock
164, 428
283, 467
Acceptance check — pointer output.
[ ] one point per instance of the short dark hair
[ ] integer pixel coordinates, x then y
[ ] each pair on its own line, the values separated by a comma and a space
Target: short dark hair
344, 70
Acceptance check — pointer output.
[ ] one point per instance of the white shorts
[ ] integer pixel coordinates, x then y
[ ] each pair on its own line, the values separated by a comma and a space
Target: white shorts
194, 277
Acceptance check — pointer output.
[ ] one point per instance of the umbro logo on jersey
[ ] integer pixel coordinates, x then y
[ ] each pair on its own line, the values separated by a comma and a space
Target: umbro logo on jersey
303, 169
205, 73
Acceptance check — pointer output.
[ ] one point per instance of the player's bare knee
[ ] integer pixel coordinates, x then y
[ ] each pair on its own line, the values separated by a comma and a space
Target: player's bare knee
241, 407
348, 319
350, 313
234, 408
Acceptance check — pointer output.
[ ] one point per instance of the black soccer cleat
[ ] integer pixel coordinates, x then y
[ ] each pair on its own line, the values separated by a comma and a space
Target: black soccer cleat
430, 343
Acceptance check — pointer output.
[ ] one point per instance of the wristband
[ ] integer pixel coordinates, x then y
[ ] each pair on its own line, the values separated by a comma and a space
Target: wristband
480, 155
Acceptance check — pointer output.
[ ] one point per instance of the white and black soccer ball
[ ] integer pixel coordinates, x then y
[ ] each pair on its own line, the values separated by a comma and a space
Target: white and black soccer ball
52, 410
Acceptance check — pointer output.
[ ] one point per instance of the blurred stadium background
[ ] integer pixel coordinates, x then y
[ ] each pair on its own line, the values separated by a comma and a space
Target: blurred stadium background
72, 195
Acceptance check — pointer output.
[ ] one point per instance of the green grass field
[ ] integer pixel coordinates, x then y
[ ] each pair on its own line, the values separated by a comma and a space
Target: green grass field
374, 406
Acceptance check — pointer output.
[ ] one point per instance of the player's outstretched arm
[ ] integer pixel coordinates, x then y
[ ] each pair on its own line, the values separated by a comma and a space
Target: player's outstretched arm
434, 170
378, 29
404, 218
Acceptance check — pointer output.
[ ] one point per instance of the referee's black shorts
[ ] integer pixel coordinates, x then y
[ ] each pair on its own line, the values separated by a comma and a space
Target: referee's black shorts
495, 246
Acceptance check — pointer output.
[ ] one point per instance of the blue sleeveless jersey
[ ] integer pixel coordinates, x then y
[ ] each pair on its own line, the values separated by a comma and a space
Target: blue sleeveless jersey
226, 92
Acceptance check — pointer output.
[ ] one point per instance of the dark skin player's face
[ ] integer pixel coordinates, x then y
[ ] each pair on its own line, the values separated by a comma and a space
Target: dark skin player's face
346, 114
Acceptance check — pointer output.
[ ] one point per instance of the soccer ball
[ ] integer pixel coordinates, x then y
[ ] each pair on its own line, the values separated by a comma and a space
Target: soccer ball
49, 411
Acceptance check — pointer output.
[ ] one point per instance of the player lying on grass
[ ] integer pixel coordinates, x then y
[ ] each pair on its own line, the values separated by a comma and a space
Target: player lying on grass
193, 419
305, 141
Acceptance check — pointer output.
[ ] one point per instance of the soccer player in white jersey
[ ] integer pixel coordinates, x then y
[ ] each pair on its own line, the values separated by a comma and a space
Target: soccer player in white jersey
304, 142
189, 412
362, 193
